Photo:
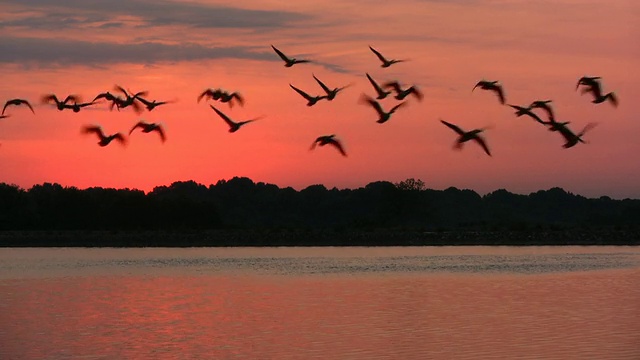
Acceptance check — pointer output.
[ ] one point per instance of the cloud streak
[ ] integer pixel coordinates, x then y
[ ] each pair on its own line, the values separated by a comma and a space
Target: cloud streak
62, 15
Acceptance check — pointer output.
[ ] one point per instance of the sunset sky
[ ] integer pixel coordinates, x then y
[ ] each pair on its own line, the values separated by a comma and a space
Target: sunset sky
176, 49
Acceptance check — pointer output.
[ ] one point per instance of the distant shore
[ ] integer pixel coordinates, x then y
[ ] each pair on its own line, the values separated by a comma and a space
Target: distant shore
315, 237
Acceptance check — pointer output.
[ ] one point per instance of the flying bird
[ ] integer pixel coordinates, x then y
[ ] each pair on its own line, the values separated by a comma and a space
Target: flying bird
150, 105
223, 96
115, 100
233, 126
311, 100
492, 86
381, 92
570, 137
596, 90
544, 105
403, 93
149, 127
289, 62
104, 139
465, 136
331, 93
59, 104
383, 116
587, 81
130, 99
385, 63
76, 107
526, 111
330, 140
17, 102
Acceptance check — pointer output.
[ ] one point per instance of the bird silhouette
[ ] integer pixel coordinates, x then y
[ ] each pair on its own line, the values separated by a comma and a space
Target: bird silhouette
288, 62
17, 102
59, 104
403, 93
311, 100
149, 127
328, 140
76, 107
383, 116
222, 96
379, 90
104, 139
233, 126
492, 86
587, 81
331, 93
131, 99
544, 105
571, 139
115, 100
596, 90
150, 105
526, 111
385, 63
465, 136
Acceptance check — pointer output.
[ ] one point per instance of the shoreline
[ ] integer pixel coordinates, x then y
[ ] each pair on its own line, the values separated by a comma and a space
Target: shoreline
315, 237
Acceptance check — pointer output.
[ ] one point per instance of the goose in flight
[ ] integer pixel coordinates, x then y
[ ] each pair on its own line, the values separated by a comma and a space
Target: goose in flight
331, 93
59, 104
223, 96
403, 93
544, 105
596, 90
381, 92
330, 140
571, 139
526, 111
150, 105
555, 125
587, 81
76, 107
465, 136
311, 100
492, 86
149, 127
289, 62
104, 139
115, 100
130, 99
385, 63
233, 126
383, 116
17, 102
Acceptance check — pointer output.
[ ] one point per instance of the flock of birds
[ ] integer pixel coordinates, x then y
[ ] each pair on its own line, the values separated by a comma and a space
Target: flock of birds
138, 101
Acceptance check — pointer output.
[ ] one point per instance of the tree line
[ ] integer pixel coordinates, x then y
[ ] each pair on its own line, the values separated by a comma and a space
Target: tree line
240, 203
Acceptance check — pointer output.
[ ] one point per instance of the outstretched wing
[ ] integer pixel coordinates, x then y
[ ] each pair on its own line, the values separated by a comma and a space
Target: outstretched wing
282, 56
482, 143
160, 131
453, 127
304, 94
93, 129
338, 146
322, 85
500, 92
139, 124
223, 116
393, 109
382, 58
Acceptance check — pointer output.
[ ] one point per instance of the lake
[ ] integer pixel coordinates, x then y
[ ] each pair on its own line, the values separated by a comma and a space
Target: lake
320, 303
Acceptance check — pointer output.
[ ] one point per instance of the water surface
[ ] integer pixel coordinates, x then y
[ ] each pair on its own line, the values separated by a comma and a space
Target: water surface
325, 303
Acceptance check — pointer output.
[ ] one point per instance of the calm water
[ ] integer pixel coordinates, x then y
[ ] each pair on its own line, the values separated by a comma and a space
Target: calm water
324, 303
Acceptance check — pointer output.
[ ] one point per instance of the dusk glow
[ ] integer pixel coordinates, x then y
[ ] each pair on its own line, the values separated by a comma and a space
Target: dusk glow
177, 49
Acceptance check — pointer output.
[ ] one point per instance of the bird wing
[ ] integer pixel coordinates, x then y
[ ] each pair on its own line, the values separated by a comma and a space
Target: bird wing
480, 83
93, 129
394, 85
614, 99
304, 94
587, 127
393, 109
120, 138
482, 143
160, 131
498, 90
453, 127
376, 105
414, 90
338, 146
238, 97
208, 93
47, 98
142, 100
282, 56
224, 117
322, 85
73, 98
382, 58
139, 124
122, 90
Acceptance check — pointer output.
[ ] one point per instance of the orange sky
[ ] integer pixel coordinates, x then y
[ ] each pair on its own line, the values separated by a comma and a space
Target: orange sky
176, 49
